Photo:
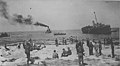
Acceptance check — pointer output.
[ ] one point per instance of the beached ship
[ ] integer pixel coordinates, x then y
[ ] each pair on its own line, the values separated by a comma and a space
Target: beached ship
96, 28
4, 35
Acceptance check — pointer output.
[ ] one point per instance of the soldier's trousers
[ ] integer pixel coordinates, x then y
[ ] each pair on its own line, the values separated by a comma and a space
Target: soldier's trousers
80, 58
90, 50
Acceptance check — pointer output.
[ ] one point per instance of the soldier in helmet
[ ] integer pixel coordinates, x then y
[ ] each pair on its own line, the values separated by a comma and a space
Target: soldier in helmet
100, 47
64, 53
56, 42
27, 51
55, 55
112, 47
80, 52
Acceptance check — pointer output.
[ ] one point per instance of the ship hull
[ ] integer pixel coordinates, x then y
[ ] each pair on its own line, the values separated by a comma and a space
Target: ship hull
96, 30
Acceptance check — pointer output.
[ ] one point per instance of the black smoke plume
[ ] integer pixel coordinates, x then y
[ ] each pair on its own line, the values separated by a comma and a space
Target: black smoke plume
40, 24
27, 21
22, 20
16, 18
3, 9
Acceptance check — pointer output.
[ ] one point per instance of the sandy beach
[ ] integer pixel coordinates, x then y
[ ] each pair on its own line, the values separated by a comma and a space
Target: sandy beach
17, 57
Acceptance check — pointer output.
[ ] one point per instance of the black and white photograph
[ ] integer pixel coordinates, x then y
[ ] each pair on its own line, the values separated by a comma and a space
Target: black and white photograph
59, 33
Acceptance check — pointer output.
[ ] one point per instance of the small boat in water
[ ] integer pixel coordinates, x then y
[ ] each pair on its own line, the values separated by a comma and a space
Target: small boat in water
4, 35
59, 33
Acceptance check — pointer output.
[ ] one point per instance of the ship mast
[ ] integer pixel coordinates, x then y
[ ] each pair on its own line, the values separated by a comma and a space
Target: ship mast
95, 17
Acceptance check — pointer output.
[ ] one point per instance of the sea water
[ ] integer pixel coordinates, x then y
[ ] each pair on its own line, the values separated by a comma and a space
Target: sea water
41, 35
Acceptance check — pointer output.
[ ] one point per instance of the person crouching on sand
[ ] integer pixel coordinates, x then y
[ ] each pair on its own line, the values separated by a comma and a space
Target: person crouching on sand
64, 54
55, 54
69, 52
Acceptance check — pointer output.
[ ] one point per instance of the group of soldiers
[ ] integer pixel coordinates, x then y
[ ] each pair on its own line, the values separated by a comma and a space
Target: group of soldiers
29, 46
91, 44
65, 41
96, 45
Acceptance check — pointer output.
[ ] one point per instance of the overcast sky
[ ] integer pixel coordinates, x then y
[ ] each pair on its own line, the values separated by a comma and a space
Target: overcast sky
62, 14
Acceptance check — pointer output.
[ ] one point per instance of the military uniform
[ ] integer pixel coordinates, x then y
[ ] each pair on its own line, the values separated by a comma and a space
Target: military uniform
80, 50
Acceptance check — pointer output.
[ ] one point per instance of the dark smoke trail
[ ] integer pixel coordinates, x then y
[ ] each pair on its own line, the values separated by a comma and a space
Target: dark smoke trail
3, 9
18, 18
43, 25
40, 24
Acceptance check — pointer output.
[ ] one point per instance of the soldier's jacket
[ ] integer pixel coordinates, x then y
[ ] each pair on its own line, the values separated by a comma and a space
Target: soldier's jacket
27, 48
79, 48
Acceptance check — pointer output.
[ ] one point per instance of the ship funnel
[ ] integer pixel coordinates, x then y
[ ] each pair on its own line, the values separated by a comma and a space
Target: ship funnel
48, 30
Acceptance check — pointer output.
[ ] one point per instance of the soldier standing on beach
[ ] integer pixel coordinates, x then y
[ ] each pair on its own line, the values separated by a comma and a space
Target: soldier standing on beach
63, 40
100, 47
96, 47
90, 46
31, 44
112, 47
27, 51
71, 39
80, 52
56, 42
